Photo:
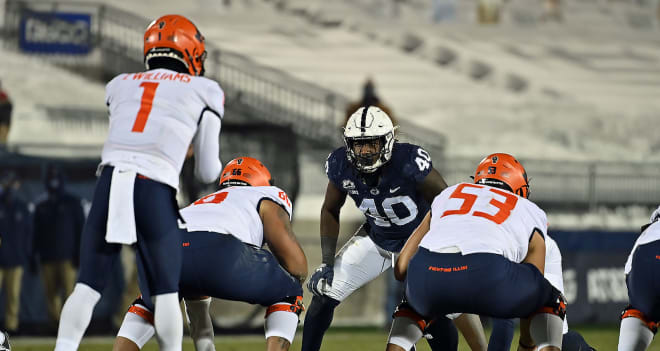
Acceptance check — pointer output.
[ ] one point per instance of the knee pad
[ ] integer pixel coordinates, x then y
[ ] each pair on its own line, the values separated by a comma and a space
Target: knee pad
292, 304
405, 310
629, 311
407, 327
282, 318
139, 308
555, 306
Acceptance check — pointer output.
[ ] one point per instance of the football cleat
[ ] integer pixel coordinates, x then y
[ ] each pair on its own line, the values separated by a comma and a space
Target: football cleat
177, 38
245, 171
369, 138
503, 171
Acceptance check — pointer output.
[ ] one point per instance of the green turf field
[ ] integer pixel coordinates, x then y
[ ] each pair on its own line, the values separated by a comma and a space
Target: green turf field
602, 338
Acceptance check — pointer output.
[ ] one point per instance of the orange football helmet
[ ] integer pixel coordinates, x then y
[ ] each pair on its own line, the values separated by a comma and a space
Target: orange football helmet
245, 171
503, 171
175, 37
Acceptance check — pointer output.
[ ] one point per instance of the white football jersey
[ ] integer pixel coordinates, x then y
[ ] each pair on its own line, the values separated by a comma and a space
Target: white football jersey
652, 233
154, 116
234, 211
479, 218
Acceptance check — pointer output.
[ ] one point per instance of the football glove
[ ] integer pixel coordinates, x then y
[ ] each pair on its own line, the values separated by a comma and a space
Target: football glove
321, 279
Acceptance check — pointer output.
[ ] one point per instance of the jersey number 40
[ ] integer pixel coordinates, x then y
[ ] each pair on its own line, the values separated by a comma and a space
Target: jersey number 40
368, 207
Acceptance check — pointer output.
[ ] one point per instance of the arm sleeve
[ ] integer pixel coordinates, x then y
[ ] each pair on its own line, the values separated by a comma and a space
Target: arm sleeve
207, 147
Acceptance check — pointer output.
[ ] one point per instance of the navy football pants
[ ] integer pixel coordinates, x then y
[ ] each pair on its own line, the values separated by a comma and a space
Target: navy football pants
482, 283
643, 281
221, 266
158, 239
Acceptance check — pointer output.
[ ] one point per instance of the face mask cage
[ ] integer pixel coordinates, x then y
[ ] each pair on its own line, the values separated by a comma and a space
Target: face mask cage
366, 153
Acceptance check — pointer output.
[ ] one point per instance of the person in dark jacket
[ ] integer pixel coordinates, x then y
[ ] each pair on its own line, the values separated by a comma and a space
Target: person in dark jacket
15, 241
58, 223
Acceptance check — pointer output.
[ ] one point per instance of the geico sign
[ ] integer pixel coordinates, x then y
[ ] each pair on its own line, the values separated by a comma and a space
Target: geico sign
56, 31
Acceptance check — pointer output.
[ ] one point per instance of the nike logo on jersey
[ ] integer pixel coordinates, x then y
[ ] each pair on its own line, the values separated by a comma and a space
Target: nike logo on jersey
394, 190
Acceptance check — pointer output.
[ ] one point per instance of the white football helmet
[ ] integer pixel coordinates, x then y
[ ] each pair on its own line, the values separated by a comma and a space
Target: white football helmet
369, 138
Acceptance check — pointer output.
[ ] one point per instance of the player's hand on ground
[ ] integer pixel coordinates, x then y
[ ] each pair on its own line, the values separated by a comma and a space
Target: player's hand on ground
321, 280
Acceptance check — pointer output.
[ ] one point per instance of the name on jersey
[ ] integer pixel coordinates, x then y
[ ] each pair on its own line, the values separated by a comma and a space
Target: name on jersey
181, 77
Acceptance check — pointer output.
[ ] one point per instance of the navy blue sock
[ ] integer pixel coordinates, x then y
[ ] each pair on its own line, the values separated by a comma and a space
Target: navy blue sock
502, 335
573, 341
317, 321
445, 335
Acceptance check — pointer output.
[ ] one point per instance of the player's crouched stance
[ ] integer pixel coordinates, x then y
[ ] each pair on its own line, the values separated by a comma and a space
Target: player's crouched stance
639, 321
222, 258
480, 250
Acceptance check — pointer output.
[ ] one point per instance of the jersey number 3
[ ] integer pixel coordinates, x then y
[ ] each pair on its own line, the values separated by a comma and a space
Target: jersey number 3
145, 106
504, 208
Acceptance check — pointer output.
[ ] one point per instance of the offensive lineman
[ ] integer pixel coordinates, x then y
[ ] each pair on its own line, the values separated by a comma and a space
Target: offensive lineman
154, 116
222, 257
481, 250
392, 183
502, 333
639, 321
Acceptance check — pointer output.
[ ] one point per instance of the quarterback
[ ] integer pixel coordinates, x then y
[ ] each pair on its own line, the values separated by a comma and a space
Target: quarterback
223, 258
154, 117
485, 240
392, 183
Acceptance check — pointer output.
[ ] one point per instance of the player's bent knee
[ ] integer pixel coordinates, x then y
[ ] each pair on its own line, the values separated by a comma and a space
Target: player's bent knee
136, 330
407, 328
282, 318
630, 312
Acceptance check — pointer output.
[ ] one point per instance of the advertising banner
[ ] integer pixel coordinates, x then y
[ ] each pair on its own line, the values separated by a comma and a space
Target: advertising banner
55, 32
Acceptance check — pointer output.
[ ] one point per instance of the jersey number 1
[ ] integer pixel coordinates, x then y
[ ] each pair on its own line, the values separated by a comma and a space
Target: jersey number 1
145, 106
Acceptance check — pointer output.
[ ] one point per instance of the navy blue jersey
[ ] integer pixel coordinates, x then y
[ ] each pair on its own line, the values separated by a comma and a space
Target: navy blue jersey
393, 207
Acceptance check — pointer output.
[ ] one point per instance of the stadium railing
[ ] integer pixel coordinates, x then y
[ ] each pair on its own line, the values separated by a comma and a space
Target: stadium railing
315, 113
312, 111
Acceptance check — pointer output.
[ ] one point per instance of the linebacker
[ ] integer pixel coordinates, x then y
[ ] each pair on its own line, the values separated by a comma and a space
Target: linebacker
392, 183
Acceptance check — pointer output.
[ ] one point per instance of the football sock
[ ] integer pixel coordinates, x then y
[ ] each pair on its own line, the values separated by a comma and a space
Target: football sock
168, 321
201, 326
502, 334
75, 317
317, 321
634, 335
546, 330
444, 336
573, 341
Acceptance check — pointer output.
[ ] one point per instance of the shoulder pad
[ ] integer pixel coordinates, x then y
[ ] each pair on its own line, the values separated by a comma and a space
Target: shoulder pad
336, 163
415, 162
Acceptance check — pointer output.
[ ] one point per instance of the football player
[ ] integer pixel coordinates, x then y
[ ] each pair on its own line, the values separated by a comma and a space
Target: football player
392, 183
639, 321
4, 342
154, 117
484, 240
223, 258
502, 333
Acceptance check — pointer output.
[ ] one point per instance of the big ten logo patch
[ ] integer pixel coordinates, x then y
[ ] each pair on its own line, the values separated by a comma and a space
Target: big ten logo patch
606, 285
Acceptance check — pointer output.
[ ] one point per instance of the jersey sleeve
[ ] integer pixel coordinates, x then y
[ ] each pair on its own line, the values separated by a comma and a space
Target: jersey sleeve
279, 197
334, 165
109, 90
418, 163
215, 99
